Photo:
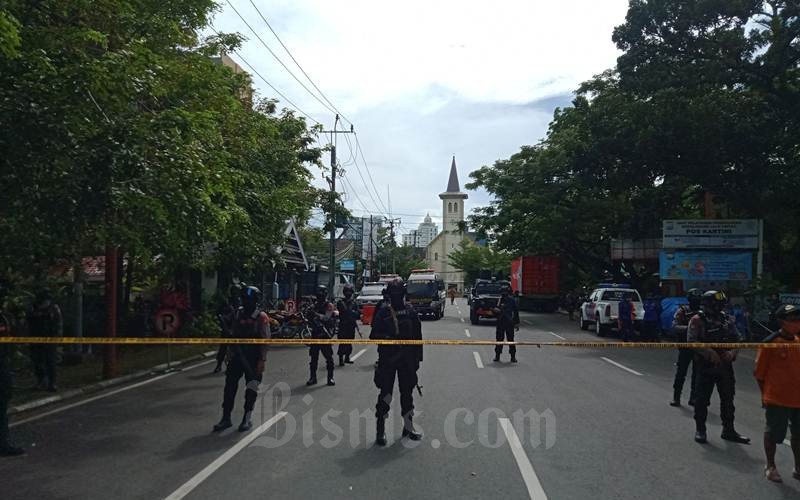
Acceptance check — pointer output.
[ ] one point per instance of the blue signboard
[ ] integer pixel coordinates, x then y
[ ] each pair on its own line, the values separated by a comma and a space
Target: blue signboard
705, 265
347, 265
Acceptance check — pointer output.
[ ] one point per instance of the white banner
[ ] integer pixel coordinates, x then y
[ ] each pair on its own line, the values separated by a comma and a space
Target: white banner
711, 233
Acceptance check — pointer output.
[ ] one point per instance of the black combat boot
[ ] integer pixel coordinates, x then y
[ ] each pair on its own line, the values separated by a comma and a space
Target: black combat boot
676, 399
496, 358
247, 423
341, 360
513, 358
7, 450
347, 359
312, 379
224, 423
330, 377
730, 434
700, 436
380, 432
409, 431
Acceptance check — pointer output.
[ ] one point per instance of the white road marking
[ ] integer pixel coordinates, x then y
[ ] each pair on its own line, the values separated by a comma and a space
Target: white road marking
357, 355
106, 394
462, 320
466, 332
225, 457
535, 490
477, 359
557, 335
787, 442
621, 366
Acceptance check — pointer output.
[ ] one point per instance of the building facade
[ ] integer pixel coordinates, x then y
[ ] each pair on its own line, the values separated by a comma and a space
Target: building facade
423, 235
439, 249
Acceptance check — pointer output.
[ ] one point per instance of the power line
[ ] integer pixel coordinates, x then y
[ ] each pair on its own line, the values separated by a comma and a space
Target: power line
288, 101
363, 181
366, 166
298, 64
279, 59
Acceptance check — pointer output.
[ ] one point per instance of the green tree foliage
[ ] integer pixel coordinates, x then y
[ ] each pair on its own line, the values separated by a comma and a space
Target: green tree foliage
118, 127
477, 261
704, 98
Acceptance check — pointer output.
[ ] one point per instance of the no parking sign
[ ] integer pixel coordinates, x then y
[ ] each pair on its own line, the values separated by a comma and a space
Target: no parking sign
167, 322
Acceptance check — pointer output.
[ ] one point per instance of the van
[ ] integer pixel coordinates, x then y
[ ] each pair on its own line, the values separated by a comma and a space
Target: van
425, 291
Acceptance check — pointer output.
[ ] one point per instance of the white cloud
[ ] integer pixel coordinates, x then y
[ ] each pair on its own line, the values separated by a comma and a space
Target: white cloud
423, 80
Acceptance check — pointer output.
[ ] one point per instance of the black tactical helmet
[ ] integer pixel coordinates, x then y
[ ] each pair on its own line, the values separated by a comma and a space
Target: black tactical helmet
250, 296
787, 311
695, 297
322, 291
396, 286
348, 289
713, 297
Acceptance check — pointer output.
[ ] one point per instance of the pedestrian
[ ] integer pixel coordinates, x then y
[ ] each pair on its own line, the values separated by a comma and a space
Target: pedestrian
245, 360
452, 293
226, 315
396, 320
569, 305
507, 314
44, 320
680, 323
322, 327
624, 317
714, 366
778, 375
652, 318
7, 449
348, 323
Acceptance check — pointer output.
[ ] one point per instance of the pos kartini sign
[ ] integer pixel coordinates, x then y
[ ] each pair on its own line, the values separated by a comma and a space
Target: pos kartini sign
711, 233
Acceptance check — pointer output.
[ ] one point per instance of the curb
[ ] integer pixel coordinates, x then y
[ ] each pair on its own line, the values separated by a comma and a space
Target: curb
105, 384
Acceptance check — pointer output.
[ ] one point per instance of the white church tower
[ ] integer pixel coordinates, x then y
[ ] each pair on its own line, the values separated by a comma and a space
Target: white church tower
450, 238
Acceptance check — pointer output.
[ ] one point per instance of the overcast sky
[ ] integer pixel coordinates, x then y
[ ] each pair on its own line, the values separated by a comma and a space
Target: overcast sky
425, 80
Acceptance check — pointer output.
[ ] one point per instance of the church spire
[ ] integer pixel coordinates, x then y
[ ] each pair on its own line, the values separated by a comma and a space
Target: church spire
452, 183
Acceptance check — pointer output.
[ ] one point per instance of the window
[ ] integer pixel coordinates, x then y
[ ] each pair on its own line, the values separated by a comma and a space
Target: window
455, 207
449, 208
436, 256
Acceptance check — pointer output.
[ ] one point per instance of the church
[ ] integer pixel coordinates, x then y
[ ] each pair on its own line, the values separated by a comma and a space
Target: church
438, 251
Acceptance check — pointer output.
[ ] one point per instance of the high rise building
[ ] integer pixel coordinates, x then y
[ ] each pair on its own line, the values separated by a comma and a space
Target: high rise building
423, 235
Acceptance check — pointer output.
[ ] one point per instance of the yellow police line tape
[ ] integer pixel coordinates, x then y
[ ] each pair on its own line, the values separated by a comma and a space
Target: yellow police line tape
260, 341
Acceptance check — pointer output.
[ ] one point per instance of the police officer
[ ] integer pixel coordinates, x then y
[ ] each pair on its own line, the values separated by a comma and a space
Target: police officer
714, 367
680, 322
245, 360
396, 320
6, 386
44, 320
348, 323
507, 323
226, 315
322, 327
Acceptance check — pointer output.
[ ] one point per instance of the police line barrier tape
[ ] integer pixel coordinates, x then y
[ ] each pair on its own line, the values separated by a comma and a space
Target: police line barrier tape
261, 341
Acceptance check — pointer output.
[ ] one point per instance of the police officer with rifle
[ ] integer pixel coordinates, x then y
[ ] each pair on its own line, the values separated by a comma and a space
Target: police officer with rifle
396, 320
714, 367
323, 323
245, 360
507, 313
680, 323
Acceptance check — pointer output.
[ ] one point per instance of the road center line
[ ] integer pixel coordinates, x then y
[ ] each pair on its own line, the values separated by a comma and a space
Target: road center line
225, 457
462, 320
106, 394
357, 355
535, 490
466, 332
557, 335
477, 359
621, 366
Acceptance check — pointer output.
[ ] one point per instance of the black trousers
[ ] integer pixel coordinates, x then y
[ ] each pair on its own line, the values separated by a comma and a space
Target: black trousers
505, 332
244, 363
221, 353
405, 370
724, 380
327, 352
6, 384
346, 349
685, 358
44, 358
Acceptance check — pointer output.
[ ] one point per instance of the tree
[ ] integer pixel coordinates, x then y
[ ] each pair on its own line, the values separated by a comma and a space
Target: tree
480, 261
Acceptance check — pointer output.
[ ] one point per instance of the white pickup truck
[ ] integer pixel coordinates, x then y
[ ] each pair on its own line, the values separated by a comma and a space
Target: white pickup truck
602, 309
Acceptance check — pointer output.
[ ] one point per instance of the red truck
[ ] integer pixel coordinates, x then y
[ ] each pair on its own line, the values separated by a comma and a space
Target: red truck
535, 278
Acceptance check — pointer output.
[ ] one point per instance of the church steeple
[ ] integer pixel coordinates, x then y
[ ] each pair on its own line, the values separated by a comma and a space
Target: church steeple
452, 201
452, 183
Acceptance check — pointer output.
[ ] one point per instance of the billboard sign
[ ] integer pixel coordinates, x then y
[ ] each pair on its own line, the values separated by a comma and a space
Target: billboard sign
711, 233
790, 298
347, 265
705, 266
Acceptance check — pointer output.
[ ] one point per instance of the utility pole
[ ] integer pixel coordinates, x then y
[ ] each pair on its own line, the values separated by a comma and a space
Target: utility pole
371, 263
332, 213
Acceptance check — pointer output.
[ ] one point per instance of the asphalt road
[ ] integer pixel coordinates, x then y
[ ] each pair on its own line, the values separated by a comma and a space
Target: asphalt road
561, 423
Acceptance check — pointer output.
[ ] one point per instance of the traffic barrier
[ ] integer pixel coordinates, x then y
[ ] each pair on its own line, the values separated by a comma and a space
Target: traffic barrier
367, 312
261, 341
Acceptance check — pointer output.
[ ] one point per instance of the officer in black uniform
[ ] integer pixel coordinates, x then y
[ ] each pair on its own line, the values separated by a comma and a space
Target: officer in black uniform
348, 323
323, 323
226, 315
507, 313
6, 386
396, 320
245, 360
44, 320
680, 322
714, 367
